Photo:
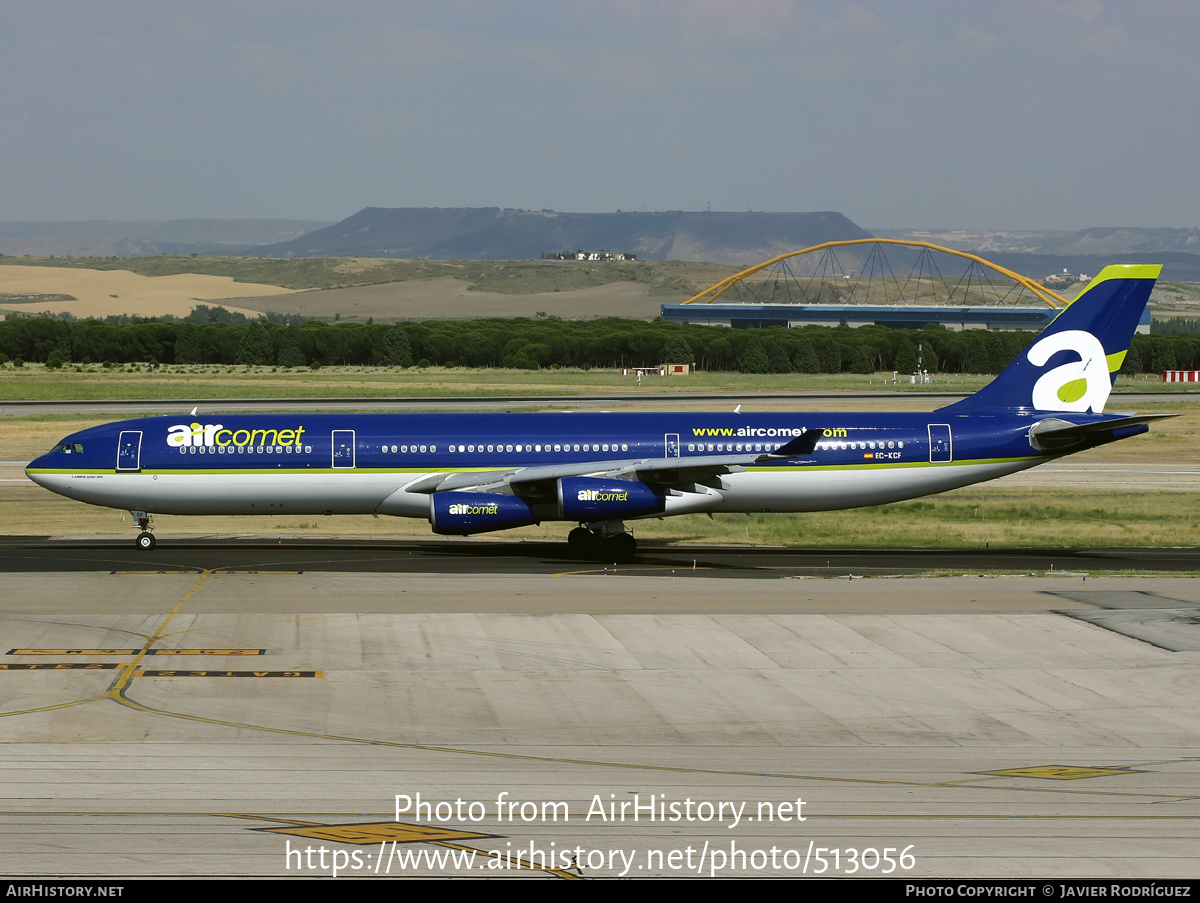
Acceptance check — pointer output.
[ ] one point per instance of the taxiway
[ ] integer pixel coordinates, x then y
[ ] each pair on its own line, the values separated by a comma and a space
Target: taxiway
217, 706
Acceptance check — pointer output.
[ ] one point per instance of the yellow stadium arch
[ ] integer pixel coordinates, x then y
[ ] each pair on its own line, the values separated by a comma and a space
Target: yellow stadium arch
713, 292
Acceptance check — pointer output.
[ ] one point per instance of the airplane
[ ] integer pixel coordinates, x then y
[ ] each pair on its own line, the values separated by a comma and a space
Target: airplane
474, 473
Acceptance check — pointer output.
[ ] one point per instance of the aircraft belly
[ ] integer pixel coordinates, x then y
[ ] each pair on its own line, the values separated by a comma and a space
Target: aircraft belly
349, 493
851, 487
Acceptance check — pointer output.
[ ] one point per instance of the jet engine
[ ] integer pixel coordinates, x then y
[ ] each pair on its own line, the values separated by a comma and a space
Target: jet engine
461, 513
590, 499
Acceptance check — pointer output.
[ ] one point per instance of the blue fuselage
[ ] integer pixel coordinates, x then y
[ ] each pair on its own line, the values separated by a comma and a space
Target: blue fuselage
395, 463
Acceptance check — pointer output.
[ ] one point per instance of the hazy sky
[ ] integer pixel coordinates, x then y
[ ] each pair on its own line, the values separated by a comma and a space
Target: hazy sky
1021, 114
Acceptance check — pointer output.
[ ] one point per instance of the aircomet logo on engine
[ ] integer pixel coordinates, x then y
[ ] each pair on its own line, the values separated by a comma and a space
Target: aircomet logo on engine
601, 495
474, 509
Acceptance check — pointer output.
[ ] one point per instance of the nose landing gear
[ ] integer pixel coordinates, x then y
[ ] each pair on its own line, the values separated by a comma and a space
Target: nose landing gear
145, 539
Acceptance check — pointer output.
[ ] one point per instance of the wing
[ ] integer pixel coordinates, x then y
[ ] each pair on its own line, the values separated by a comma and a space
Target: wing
528, 480
668, 472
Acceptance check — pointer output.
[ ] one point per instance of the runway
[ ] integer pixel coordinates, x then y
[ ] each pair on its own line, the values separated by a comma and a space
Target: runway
225, 705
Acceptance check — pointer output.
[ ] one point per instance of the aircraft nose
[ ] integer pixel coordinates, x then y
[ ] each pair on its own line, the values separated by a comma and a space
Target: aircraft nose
36, 465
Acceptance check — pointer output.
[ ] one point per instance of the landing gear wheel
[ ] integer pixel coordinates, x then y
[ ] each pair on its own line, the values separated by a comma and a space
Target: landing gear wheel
145, 541
581, 541
620, 547
592, 545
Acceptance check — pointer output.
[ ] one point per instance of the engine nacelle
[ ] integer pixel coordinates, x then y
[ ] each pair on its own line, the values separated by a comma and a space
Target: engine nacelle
589, 498
461, 513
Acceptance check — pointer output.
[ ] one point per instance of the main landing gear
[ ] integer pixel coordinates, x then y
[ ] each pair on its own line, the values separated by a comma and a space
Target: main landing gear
145, 539
607, 541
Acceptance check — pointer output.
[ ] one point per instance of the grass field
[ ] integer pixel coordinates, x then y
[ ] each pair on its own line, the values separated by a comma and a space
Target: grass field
348, 288
523, 277
447, 298
34, 382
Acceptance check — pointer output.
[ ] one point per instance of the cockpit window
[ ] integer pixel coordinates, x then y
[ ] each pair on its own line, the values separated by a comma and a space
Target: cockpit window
68, 448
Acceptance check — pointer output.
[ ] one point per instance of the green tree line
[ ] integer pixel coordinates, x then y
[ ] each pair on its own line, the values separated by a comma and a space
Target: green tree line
545, 343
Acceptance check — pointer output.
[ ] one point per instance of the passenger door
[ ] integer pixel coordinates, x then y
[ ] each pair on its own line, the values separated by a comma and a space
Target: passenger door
129, 451
941, 446
343, 448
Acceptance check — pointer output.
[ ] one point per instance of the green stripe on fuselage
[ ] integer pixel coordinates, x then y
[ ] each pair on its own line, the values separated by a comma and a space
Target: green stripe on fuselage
755, 468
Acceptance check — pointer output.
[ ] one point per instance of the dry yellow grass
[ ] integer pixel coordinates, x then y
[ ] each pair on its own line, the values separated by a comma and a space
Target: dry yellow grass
446, 297
102, 293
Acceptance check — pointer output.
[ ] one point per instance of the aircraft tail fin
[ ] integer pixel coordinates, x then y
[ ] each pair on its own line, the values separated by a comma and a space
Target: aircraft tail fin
1072, 364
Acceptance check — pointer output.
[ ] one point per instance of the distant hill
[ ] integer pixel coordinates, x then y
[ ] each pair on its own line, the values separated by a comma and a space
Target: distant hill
1039, 253
114, 238
495, 233
1104, 241
1177, 266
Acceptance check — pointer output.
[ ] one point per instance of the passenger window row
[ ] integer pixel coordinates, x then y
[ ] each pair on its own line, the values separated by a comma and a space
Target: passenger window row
734, 446
519, 447
243, 449
859, 445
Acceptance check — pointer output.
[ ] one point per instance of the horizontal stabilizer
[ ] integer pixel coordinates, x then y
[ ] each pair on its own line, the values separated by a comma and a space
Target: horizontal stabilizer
1055, 434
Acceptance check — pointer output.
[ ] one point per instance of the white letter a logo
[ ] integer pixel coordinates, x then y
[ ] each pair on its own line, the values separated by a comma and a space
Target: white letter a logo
1081, 385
